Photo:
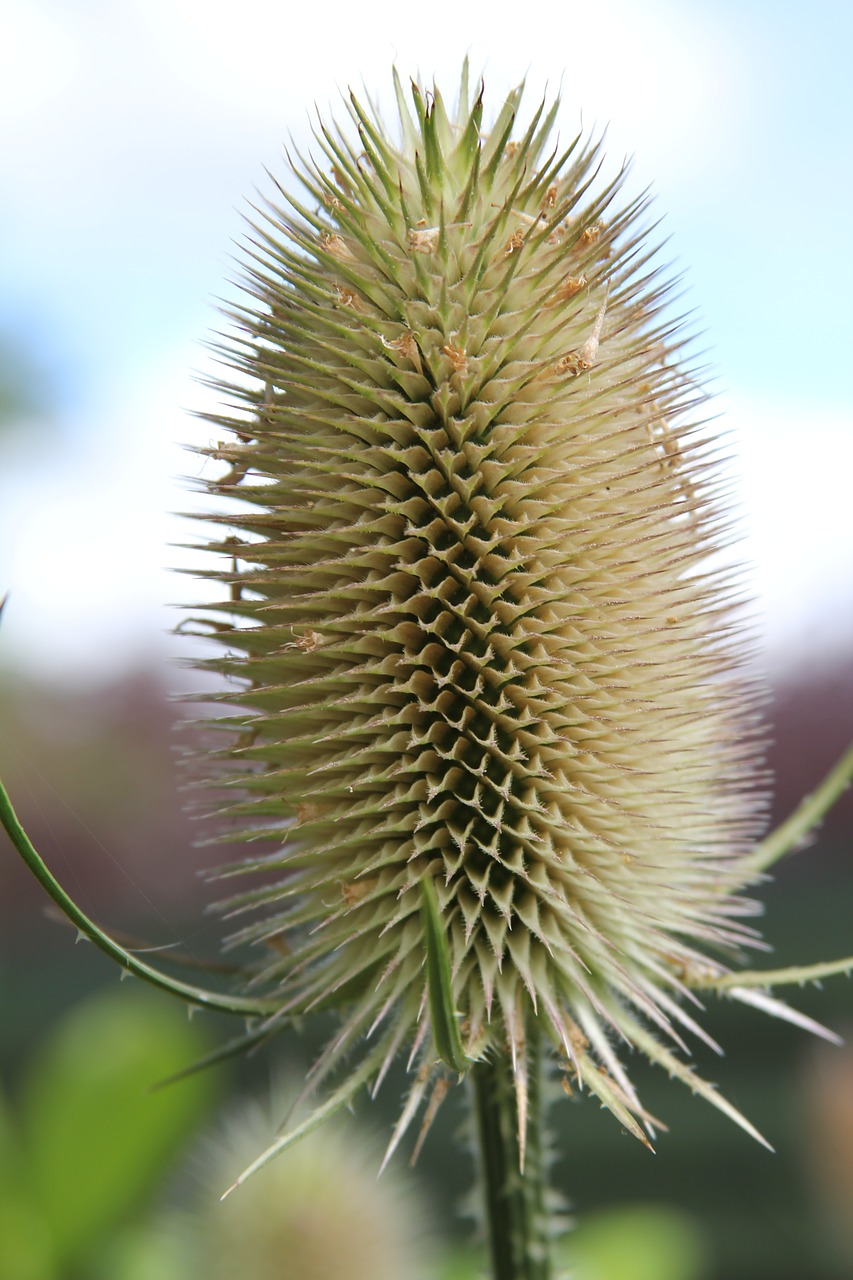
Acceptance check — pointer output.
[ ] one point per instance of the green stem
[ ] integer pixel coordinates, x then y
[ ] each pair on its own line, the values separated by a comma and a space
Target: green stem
245, 1006
516, 1211
804, 819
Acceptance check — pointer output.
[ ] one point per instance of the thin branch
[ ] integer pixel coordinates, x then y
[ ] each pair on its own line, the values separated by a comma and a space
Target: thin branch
804, 819
242, 1005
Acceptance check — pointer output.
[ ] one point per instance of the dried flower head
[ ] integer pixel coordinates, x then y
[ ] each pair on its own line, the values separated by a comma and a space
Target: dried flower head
487, 680
487, 689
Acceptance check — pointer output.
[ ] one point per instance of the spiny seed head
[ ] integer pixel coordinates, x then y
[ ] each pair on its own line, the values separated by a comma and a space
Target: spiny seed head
489, 700
317, 1213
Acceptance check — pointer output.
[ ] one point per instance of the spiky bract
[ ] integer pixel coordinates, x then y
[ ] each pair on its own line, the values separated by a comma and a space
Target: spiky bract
476, 639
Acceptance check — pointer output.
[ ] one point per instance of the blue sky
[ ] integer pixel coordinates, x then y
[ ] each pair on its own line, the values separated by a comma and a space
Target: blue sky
131, 134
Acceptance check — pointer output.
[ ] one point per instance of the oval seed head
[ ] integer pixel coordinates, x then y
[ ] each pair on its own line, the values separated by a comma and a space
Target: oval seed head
489, 700
317, 1213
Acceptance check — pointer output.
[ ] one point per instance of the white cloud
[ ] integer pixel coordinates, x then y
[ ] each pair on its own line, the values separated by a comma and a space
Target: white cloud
40, 60
137, 129
103, 89
792, 470
90, 531
86, 539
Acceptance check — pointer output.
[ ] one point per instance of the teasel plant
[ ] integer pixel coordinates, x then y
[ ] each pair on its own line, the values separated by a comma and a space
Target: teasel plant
319, 1213
486, 683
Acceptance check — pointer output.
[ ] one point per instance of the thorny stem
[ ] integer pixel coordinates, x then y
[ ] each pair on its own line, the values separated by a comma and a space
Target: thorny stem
242, 1005
516, 1212
805, 817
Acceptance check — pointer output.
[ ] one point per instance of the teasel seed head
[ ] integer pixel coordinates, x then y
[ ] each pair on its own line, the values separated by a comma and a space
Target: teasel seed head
487, 686
317, 1213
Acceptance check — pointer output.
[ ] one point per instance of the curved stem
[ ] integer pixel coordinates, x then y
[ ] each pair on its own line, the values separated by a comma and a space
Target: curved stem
244, 1006
515, 1201
804, 818
794, 974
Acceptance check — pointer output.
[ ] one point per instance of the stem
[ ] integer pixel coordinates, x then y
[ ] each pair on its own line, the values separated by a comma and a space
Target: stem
805, 817
517, 1225
245, 1006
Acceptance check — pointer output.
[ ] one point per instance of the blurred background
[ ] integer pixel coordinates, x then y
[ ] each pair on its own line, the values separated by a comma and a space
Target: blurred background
132, 135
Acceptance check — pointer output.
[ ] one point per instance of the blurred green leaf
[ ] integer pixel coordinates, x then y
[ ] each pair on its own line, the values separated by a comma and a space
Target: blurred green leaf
26, 1246
95, 1137
158, 1251
462, 1264
8, 1145
641, 1242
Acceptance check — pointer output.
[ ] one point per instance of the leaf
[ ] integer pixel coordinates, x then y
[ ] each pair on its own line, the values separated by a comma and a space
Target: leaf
26, 1248
9, 1154
94, 1138
445, 1022
640, 1242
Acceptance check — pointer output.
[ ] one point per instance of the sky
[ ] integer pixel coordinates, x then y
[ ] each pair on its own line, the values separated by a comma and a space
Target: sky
133, 132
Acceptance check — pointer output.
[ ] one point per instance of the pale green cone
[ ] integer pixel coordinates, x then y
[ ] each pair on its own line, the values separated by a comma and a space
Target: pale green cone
485, 687
484, 670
